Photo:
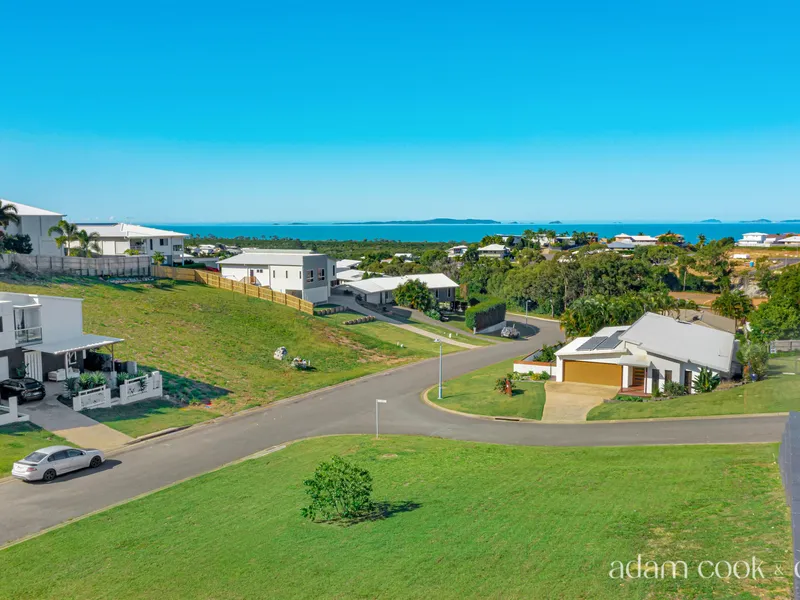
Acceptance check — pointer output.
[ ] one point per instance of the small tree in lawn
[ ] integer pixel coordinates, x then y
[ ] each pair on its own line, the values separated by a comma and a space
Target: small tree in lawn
414, 294
338, 490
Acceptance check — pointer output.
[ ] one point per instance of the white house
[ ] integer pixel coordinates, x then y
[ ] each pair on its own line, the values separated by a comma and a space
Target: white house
35, 222
619, 246
300, 273
347, 264
792, 240
378, 290
636, 240
348, 276
118, 238
494, 251
641, 357
457, 251
752, 239
43, 335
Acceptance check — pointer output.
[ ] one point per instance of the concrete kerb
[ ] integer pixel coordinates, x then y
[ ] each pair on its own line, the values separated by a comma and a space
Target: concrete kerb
429, 402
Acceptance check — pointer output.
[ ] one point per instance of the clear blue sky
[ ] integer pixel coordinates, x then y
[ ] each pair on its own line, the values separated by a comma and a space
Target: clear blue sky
182, 112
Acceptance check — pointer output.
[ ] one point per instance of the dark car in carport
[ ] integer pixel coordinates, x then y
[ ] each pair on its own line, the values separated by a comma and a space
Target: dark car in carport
25, 389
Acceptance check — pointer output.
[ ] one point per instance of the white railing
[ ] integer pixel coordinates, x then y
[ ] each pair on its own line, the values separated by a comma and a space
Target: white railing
28, 335
99, 397
141, 388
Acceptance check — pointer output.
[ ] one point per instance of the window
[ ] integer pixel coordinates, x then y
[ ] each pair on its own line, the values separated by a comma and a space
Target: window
177, 248
449, 293
656, 379
162, 241
72, 357
74, 453
667, 375
259, 270
310, 275
151, 243
287, 274
57, 456
1, 324
273, 273
321, 274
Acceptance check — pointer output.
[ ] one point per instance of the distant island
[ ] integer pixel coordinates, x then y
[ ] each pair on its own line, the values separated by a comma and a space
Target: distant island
554, 223
711, 221
791, 221
757, 221
426, 222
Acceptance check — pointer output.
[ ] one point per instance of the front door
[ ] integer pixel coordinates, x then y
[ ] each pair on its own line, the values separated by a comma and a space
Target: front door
639, 375
33, 365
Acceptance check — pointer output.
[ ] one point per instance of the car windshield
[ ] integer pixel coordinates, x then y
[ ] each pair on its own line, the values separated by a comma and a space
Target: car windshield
35, 457
30, 385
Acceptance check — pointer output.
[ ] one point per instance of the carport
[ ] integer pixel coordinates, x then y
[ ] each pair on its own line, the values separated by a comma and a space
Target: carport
68, 354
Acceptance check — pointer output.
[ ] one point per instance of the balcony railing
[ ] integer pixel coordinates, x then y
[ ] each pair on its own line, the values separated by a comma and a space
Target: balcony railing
30, 335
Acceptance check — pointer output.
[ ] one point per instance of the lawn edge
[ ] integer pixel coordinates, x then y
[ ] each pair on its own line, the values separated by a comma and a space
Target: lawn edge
501, 418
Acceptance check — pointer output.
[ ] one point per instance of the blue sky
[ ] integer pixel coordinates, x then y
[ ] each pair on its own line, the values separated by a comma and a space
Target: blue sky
180, 112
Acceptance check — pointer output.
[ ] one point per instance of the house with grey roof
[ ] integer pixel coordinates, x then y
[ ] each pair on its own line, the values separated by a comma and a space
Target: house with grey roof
119, 239
36, 223
641, 357
301, 273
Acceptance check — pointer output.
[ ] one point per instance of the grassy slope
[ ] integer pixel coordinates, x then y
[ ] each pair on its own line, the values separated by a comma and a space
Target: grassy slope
474, 393
444, 332
217, 345
777, 393
149, 416
19, 440
479, 521
422, 346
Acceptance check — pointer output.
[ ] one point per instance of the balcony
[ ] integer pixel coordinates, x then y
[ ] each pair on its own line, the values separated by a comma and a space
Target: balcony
29, 335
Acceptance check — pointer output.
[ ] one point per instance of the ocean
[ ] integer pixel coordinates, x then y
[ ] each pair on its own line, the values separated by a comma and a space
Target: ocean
469, 233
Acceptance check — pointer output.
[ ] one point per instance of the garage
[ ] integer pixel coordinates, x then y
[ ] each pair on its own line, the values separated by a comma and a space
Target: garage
578, 371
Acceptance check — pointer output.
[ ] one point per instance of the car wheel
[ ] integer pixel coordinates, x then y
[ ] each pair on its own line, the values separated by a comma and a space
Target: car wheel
95, 462
49, 475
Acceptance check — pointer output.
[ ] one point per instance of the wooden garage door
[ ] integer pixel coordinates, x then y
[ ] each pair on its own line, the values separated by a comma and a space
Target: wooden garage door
592, 372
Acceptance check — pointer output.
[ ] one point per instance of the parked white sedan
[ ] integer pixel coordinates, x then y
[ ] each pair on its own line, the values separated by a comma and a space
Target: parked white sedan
48, 463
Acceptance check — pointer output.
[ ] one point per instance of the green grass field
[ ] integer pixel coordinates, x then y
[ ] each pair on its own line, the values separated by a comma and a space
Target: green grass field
216, 346
20, 439
141, 418
444, 332
420, 345
780, 392
474, 393
466, 520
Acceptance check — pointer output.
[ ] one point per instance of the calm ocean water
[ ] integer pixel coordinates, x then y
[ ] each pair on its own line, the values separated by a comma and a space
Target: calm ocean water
470, 233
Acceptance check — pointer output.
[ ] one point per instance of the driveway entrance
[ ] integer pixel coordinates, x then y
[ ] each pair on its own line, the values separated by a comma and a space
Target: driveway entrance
571, 402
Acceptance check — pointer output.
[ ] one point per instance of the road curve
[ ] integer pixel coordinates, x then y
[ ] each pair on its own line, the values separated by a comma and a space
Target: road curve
349, 408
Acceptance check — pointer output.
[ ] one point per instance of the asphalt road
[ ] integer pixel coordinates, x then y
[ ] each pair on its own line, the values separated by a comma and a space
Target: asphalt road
349, 408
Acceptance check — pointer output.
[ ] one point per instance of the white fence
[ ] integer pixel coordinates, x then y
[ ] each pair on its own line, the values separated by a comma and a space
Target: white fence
132, 390
141, 388
784, 346
10, 414
99, 397
535, 367
131, 266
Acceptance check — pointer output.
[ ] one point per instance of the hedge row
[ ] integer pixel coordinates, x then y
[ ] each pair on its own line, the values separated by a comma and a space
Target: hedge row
485, 314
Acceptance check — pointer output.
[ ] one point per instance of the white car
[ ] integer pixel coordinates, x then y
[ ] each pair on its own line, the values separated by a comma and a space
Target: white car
48, 463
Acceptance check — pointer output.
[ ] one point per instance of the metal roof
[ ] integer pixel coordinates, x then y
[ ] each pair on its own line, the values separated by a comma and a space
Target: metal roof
25, 210
387, 284
85, 341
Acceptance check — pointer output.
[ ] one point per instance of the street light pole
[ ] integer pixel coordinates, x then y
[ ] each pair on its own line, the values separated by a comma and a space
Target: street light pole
377, 412
440, 366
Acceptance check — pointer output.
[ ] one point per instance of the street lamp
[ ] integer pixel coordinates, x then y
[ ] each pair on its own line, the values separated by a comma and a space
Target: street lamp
438, 341
377, 412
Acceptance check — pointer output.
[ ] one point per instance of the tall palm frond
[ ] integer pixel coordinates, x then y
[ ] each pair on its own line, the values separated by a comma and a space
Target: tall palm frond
88, 243
8, 214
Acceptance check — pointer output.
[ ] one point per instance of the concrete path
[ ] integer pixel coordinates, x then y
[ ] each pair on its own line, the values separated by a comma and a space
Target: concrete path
571, 402
344, 409
73, 426
433, 336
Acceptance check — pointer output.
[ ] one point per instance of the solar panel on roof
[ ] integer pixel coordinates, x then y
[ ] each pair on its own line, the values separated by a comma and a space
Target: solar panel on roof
610, 342
591, 344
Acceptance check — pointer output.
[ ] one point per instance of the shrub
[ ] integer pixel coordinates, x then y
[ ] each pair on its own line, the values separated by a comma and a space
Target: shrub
503, 384
19, 244
705, 381
547, 354
122, 377
544, 375
626, 398
485, 314
673, 388
414, 294
434, 314
338, 489
91, 379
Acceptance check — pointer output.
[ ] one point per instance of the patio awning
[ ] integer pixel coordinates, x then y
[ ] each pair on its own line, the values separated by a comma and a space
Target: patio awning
87, 341
635, 360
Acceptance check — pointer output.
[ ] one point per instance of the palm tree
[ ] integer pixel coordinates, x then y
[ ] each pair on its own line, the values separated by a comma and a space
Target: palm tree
66, 233
8, 214
88, 243
734, 305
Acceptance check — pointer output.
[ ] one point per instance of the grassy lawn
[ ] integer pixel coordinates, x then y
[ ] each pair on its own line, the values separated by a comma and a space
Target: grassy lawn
474, 393
386, 333
466, 520
444, 332
20, 439
148, 416
777, 393
457, 320
216, 346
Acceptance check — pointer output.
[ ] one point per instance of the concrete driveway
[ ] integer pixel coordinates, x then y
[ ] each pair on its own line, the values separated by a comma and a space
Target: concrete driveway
571, 402
73, 426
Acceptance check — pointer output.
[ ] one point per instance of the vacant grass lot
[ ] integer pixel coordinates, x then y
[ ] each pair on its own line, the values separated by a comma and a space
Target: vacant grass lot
20, 439
778, 393
149, 416
468, 521
216, 346
420, 345
474, 393
446, 333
